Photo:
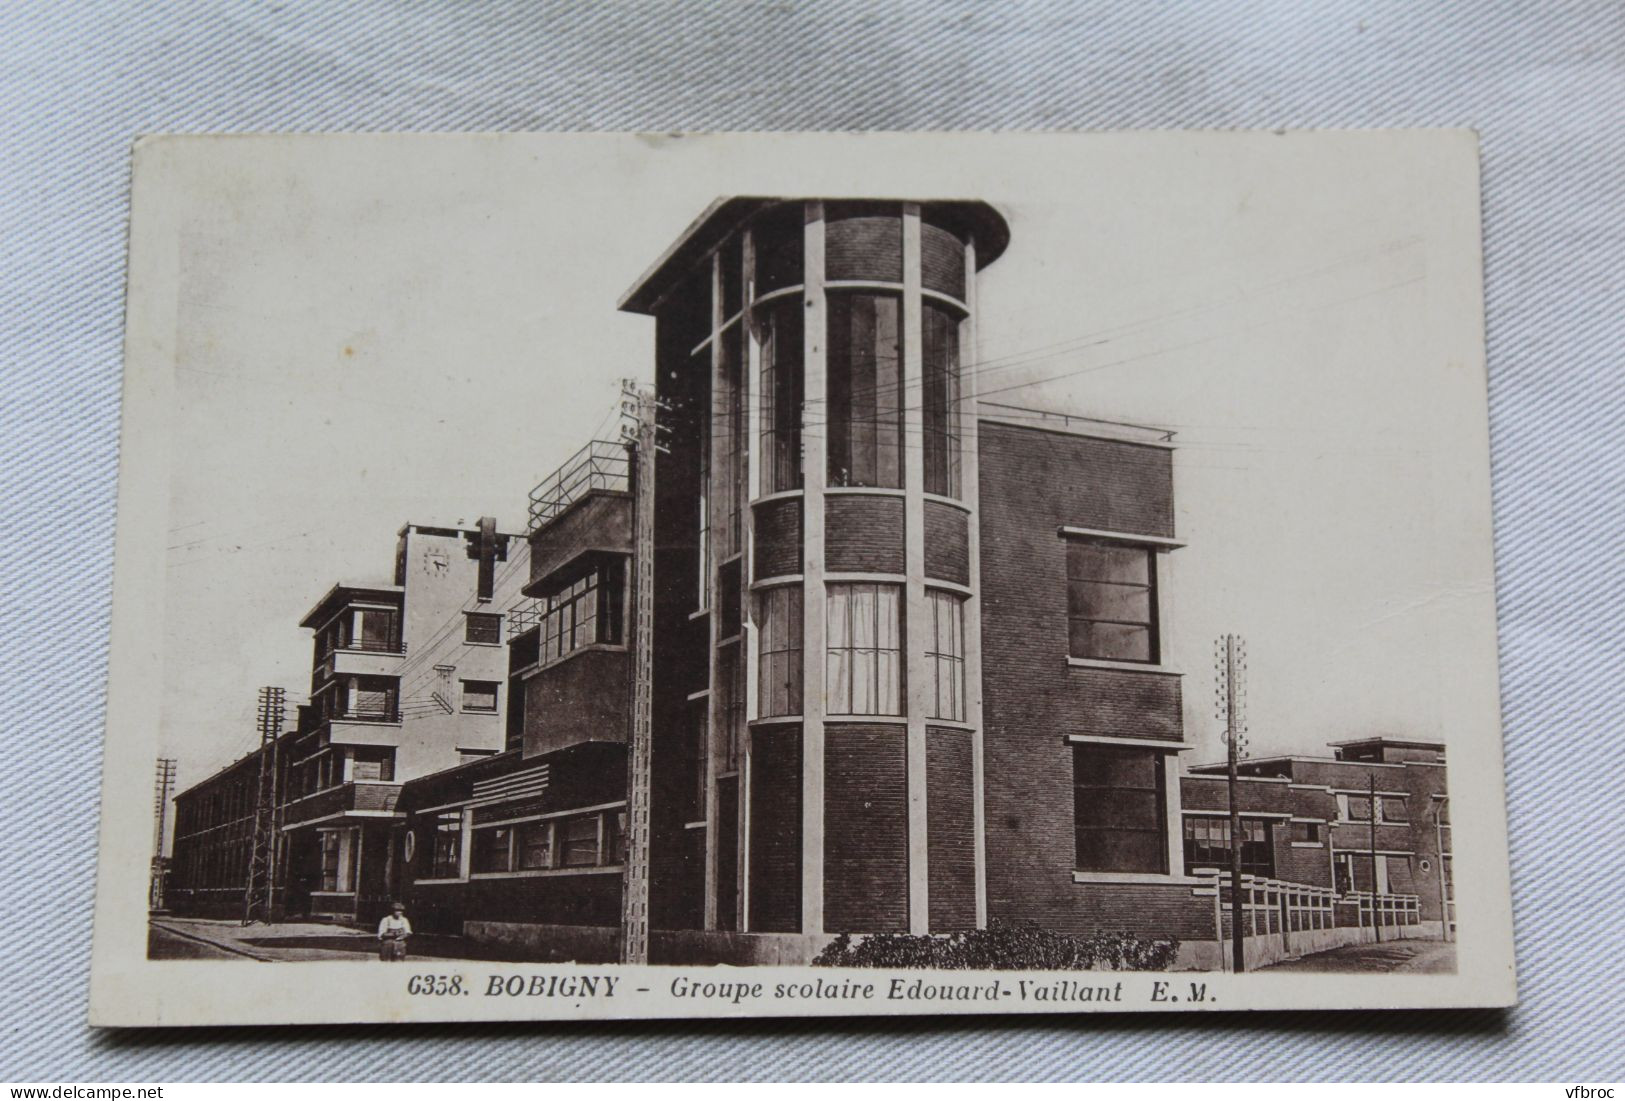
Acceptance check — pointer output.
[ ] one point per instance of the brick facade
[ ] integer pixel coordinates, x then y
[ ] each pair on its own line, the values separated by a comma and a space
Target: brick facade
865, 828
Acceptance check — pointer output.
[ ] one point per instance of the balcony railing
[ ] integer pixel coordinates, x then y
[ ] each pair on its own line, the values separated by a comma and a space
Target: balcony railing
367, 646
390, 714
601, 465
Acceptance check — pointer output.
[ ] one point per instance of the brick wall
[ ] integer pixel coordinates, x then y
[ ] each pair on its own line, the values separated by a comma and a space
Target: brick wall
865, 828
942, 261
775, 829
1032, 698
950, 828
863, 533
864, 244
778, 537
947, 539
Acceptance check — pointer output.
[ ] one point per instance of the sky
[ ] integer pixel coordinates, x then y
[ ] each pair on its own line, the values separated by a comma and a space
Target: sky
376, 330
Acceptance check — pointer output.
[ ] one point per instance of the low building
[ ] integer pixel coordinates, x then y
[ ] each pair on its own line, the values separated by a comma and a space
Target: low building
1367, 828
407, 679
533, 839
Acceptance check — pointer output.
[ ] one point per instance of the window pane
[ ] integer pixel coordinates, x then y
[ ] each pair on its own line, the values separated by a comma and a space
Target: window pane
536, 845
1118, 810
1120, 851
1110, 641
865, 390
491, 850
1099, 562
479, 695
581, 841
940, 365
482, 628
1109, 600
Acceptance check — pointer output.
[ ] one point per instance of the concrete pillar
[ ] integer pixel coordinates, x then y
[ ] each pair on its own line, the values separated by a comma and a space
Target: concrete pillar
916, 613
815, 474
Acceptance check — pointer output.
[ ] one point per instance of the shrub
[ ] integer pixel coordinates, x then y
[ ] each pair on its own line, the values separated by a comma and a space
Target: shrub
1002, 946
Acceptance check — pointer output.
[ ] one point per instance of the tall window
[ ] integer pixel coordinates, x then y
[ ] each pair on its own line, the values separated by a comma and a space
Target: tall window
865, 403
445, 857
1111, 601
779, 689
728, 419
940, 400
864, 673
945, 653
1118, 810
1207, 845
337, 867
731, 705
782, 385
700, 365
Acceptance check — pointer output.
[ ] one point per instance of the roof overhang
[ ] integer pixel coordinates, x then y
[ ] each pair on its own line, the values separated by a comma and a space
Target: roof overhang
974, 219
344, 593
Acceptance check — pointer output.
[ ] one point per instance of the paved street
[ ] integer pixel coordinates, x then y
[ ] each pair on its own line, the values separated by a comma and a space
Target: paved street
166, 944
171, 938
1431, 957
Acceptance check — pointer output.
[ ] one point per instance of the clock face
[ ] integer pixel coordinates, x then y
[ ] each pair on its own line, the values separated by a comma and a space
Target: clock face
411, 846
436, 563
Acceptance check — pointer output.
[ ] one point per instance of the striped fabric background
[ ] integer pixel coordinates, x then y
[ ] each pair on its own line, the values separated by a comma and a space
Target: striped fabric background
1542, 81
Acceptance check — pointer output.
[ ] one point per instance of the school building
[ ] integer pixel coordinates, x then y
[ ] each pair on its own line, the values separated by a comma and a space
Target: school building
407, 679
910, 666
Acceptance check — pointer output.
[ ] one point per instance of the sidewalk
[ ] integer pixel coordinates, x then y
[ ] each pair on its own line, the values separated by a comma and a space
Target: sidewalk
300, 941
1432, 957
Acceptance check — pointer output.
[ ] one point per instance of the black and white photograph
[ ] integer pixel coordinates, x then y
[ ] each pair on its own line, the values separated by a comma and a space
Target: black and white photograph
752, 575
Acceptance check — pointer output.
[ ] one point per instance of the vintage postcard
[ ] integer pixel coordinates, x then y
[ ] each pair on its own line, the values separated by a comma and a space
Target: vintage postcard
599, 576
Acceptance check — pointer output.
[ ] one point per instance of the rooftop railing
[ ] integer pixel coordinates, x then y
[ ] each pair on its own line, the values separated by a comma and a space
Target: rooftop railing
1038, 417
601, 465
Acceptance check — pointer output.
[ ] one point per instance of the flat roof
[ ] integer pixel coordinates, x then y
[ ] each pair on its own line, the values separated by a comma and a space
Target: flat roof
345, 590
725, 215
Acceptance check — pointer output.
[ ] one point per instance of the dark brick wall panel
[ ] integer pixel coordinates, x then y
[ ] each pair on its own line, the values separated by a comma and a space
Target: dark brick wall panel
864, 247
1092, 483
863, 533
775, 829
778, 537
950, 828
865, 828
587, 899
728, 853
942, 261
947, 543
1032, 699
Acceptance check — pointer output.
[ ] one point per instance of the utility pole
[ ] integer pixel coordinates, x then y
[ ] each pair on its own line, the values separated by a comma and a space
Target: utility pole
1231, 665
1376, 913
639, 433
163, 784
1444, 868
260, 890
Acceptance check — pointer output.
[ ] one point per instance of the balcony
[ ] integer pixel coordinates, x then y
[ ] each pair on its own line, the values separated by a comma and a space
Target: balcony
366, 795
601, 465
